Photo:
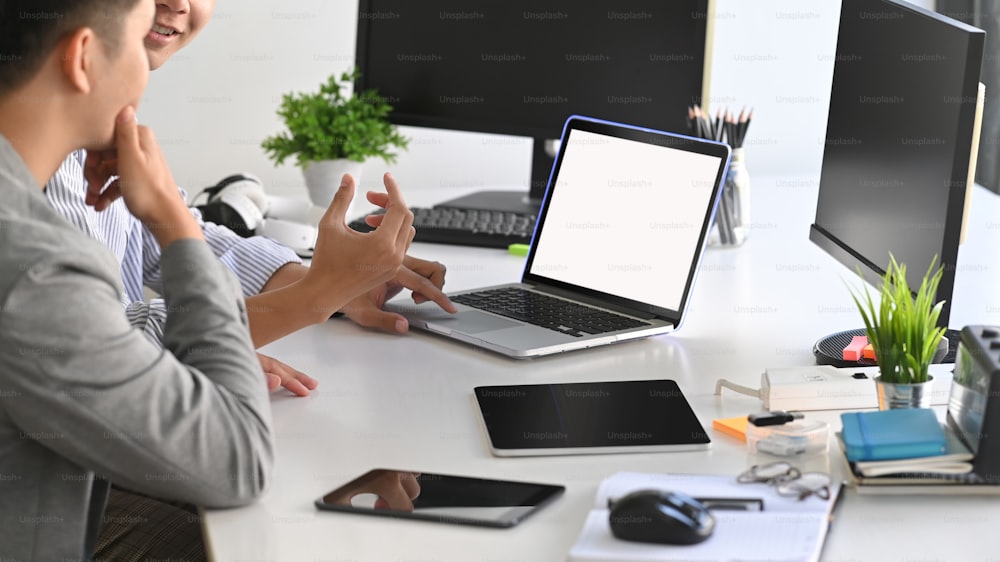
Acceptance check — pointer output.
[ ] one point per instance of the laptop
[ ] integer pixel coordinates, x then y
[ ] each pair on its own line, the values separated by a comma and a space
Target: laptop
616, 248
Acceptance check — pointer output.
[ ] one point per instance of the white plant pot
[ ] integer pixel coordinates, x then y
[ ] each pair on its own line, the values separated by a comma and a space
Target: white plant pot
323, 181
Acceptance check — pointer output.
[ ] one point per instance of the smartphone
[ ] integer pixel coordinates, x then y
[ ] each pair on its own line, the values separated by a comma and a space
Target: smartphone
443, 498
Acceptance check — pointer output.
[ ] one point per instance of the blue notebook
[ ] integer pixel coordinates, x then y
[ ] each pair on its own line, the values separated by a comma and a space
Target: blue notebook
892, 434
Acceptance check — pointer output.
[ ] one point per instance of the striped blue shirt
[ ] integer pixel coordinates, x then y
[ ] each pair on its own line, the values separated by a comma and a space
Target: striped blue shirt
254, 260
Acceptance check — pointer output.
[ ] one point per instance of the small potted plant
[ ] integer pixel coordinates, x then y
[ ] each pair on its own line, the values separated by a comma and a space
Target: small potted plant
330, 134
904, 333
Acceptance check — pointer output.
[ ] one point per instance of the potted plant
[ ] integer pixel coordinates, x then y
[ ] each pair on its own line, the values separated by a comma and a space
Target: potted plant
904, 333
330, 134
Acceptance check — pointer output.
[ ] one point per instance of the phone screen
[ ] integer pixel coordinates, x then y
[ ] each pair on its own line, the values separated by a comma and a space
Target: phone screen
440, 497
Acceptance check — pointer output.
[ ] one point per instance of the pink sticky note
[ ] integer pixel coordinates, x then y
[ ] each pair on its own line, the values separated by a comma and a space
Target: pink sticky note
854, 350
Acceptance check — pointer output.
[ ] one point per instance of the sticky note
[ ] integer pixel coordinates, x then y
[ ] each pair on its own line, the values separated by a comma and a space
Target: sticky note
733, 427
868, 352
854, 349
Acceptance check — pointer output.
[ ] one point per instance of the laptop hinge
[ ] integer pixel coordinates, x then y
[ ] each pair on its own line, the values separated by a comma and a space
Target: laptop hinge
621, 309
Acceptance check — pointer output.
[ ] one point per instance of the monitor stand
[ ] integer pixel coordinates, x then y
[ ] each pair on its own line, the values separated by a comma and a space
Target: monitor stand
829, 350
543, 154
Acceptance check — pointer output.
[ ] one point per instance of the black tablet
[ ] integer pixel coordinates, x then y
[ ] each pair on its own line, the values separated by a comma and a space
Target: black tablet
589, 418
444, 498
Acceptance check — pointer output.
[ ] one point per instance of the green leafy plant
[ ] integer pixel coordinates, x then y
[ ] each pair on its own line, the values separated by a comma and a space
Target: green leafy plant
903, 329
328, 125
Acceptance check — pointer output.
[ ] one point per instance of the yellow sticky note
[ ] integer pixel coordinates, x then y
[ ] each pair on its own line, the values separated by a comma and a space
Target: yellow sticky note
734, 427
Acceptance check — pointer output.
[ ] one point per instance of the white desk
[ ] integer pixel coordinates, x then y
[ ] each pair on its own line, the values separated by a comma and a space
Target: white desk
406, 402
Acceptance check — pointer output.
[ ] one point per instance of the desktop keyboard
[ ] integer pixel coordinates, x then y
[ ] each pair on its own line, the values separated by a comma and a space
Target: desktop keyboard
466, 227
547, 312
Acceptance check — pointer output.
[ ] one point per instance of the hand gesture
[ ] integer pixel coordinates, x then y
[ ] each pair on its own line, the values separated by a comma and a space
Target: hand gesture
138, 173
350, 263
424, 278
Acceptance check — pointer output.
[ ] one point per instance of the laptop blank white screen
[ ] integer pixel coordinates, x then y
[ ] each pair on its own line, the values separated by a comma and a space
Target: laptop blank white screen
625, 217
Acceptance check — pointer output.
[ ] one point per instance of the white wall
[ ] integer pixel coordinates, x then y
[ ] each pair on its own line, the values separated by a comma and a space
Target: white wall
214, 102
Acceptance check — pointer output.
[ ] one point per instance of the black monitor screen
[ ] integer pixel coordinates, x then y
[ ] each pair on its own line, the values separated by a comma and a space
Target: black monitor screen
898, 140
521, 67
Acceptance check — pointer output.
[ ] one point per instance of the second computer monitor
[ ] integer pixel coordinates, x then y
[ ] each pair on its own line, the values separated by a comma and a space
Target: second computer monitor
899, 140
521, 67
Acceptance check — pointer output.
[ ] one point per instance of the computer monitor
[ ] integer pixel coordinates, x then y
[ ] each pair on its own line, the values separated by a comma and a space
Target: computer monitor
521, 67
899, 146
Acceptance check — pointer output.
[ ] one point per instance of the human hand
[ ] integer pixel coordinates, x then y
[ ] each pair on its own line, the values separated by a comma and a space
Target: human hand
278, 374
139, 174
429, 271
355, 262
424, 278
395, 489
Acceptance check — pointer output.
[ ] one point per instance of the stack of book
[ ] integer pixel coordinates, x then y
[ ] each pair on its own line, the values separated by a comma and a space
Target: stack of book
907, 451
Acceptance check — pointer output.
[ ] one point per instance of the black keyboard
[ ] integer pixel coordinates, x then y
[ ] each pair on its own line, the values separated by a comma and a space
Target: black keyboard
548, 312
466, 227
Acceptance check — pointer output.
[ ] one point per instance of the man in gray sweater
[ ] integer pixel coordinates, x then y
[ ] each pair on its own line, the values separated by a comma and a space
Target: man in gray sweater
85, 398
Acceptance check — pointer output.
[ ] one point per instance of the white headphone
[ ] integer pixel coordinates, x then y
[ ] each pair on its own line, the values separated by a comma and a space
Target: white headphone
239, 203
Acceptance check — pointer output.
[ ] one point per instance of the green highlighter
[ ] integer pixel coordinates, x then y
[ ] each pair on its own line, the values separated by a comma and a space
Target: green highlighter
518, 249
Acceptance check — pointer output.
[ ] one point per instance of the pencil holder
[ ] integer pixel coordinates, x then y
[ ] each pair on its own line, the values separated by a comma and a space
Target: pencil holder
732, 218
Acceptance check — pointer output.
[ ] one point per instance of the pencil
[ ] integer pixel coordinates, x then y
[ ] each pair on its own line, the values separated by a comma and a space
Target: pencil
744, 125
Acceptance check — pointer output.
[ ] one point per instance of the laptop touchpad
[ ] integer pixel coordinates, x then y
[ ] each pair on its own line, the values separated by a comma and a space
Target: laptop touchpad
474, 322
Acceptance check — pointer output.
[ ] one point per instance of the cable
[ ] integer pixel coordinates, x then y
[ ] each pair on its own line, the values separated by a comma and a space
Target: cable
719, 384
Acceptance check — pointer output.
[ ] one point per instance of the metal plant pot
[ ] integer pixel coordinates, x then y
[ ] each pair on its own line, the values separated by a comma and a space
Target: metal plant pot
892, 396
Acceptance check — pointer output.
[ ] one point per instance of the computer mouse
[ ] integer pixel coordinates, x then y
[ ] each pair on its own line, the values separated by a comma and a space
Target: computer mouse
660, 516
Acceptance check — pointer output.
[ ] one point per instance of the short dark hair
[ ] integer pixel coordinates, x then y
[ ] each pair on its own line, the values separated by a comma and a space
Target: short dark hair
30, 29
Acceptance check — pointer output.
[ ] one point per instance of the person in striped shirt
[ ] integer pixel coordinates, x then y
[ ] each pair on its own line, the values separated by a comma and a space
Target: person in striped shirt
270, 274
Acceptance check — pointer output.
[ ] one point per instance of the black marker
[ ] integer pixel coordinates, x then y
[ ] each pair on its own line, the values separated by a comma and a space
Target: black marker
773, 418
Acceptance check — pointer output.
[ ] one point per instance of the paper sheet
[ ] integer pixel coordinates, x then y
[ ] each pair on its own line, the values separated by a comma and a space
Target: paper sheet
787, 530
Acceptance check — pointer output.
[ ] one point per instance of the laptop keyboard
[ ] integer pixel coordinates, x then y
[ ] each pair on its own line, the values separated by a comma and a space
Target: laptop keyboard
548, 312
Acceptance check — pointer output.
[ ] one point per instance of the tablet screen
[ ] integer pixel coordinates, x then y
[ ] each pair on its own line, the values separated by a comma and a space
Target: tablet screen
444, 498
595, 417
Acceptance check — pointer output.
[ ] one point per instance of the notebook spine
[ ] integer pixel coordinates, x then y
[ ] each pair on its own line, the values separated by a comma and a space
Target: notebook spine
918, 477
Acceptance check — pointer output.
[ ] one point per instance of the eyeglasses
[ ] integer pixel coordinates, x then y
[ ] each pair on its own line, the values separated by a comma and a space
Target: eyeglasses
788, 481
